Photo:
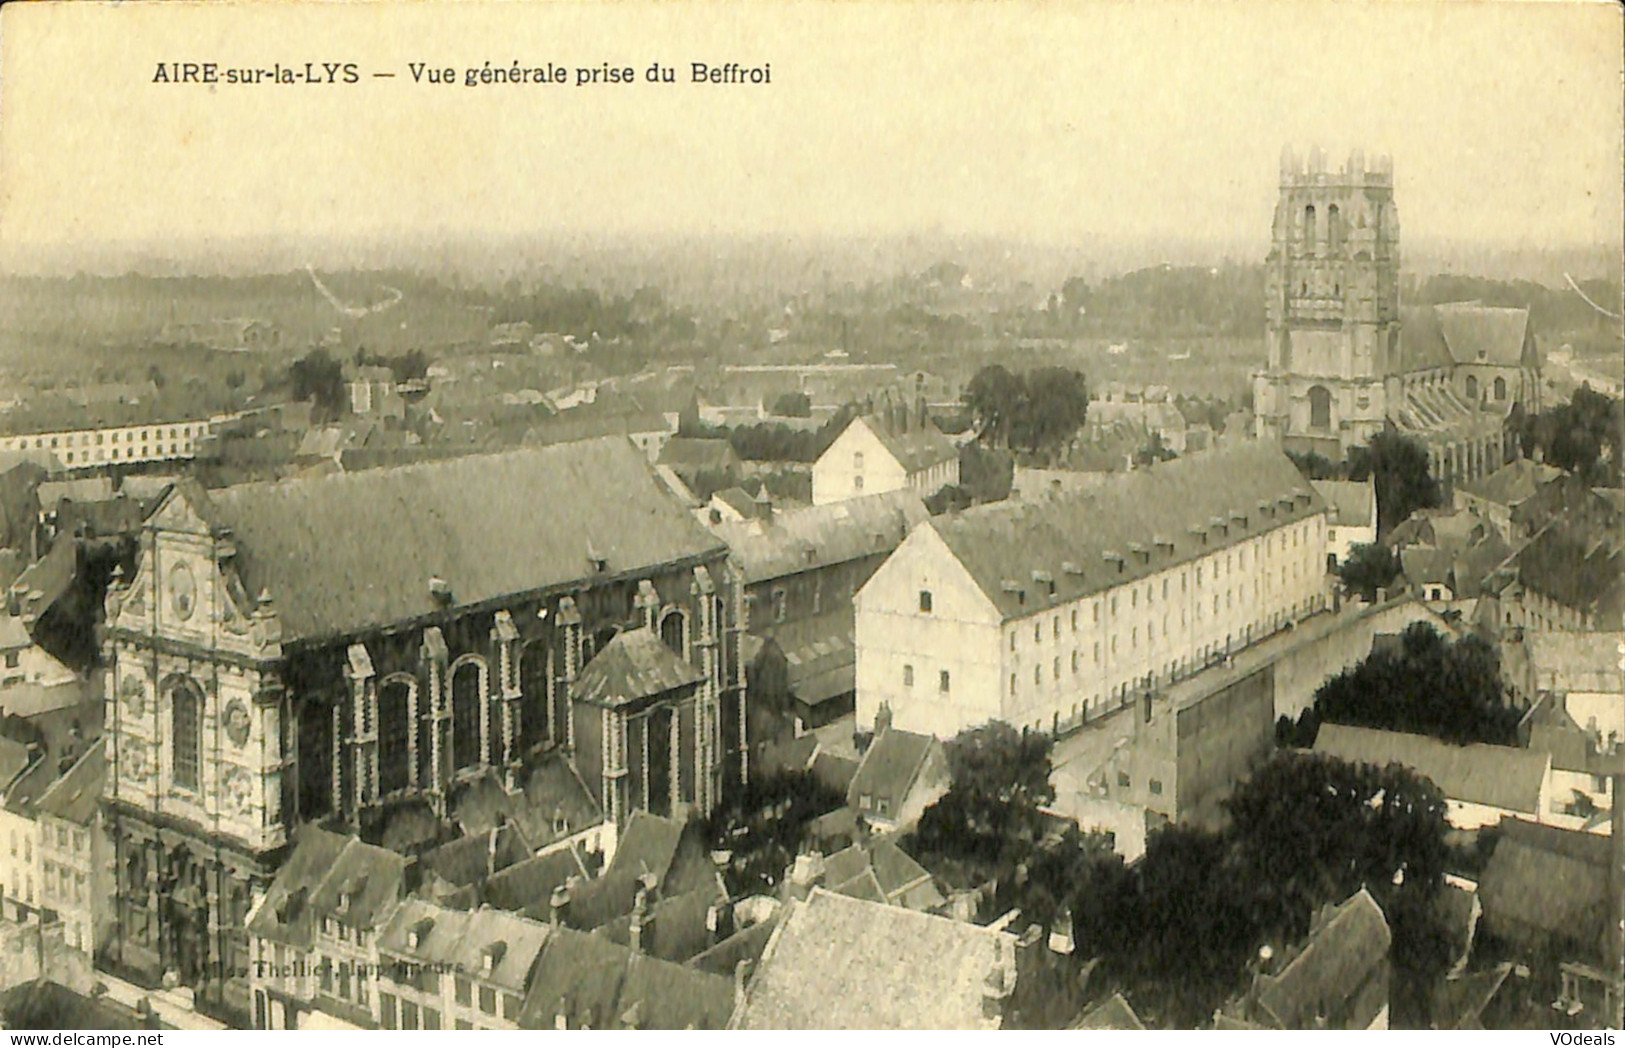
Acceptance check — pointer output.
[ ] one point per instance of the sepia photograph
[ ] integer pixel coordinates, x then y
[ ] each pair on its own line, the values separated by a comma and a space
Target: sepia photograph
811, 515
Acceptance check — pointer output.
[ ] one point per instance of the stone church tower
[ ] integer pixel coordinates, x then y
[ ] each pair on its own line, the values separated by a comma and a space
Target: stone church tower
1331, 305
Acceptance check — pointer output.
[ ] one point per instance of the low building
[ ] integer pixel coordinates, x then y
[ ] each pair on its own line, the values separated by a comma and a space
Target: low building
901, 774
1498, 495
1482, 783
313, 937
1351, 519
117, 443
1337, 979
442, 969
1547, 889
885, 452
20, 877
840, 963
76, 857
22, 661
586, 981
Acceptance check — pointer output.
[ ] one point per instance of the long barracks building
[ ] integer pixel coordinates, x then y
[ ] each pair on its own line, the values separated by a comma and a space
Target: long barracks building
1045, 614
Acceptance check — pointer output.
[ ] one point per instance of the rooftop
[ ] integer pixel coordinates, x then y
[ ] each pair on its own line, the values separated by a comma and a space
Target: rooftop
838, 963
635, 664
1029, 556
890, 765
803, 539
490, 526
1353, 502
1327, 980
1504, 777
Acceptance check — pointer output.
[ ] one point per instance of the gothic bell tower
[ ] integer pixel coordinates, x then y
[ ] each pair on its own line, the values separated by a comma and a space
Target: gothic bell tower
1331, 304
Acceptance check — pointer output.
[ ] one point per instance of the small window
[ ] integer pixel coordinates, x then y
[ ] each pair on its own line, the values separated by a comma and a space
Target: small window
409, 1015
1012, 683
857, 482
925, 602
1122, 779
1038, 674
1156, 787
464, 991
1074, 662
942, 682
780, 605
386, 1011
908, 676
1074, 620
488, 1000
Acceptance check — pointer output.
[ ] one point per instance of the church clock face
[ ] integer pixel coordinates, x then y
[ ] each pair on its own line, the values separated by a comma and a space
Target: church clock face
182, 591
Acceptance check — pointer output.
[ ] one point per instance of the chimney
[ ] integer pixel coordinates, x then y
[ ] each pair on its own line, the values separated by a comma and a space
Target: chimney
882, 719
559, 904
640, 914
439, 590
741, 973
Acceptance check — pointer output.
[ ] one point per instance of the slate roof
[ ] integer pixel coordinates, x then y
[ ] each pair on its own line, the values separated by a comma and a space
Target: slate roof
1547, 881
595, 983
838, 963
1480, 334
1512, 483
1504, 777
890, 766
476, 857
553, 804
744, 945
511, 941
738, 500
675, 928
649, 844
1072, 538
1113, 1013
800, 540
835, 771
635, 664
1577, 571
76, 796
1351, 501
1325, 979
348, 552
917, 449
13, 761
81, 489
528, 885
1422, 346
695, 453
284, 913
372, 877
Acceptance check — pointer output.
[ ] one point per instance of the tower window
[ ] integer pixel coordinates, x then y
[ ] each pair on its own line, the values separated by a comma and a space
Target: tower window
925, 601
1309, 227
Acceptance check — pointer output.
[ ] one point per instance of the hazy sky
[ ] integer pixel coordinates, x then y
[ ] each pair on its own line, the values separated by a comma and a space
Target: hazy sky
1049, 121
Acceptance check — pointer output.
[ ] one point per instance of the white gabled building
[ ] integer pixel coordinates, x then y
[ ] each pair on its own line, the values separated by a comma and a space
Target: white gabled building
1044, 614
885, 452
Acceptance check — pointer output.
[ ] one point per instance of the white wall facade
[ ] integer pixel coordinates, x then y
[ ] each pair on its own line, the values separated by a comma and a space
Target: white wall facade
856, 464
79, 448
1063, 664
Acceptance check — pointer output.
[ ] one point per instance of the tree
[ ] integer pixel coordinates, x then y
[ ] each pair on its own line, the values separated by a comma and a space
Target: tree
1428, 686
1074, 299
998, 779
1055, 406
1367, 569
318, 378
1399, 469
1583, 436
762, 825
793, 405
995, 398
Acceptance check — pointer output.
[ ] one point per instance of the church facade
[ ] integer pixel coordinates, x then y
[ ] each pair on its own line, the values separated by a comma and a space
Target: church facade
1344, 360
325, 649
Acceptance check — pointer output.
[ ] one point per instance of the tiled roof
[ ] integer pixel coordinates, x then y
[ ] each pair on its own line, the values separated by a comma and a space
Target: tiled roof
13, 761
554, 803
368, 877
835, 771
738, 500
1325, 979
1504, 777
344, 553
635, 664
838, 963
648, 845
1352, 503
863, 886
744, 945
1085, 542
803, 539
476, 857
659, 995
1421, 342
889, 766
676, 928
1566, 565
439, 930
511, 943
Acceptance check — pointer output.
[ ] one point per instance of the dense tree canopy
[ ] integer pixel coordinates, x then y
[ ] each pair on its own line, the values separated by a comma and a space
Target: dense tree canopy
1427, 686
1179, 930
998, 779
761, 827
1367, 569
1398, 466
317, 377
1583, 436
1037, 411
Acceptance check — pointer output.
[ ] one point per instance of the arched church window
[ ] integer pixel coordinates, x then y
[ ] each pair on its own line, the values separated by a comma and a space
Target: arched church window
1309, 227
1334, 228
673, 630
1500, 389
186, 738
467, 686
535, 660
394, 734
1320, 407
1472, 388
